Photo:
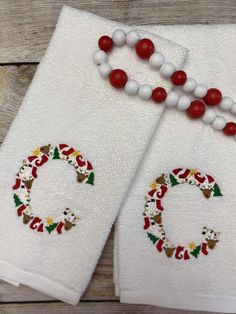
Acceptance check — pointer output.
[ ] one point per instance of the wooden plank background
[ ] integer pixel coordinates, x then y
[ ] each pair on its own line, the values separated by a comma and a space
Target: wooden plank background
25, 29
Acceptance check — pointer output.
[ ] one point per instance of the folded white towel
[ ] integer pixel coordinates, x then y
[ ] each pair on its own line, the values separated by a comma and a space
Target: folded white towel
143, 272
70, 112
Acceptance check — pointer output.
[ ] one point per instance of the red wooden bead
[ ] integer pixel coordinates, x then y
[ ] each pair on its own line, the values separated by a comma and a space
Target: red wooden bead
105, 43
144, 48
213, 97
196, 109
179, 78
118, 78
159, 94
230, 128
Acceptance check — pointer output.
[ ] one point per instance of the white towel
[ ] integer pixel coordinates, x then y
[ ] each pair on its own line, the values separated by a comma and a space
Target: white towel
70, 112
203, 282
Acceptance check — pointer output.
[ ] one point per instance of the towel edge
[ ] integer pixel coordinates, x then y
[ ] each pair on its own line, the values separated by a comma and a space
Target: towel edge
16, 276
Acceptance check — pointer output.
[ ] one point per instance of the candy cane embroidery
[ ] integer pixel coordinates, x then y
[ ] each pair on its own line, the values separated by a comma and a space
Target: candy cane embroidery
28, 173
153, 213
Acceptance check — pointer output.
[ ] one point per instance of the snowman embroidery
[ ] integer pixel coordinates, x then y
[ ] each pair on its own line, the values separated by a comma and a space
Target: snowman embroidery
28, 173
153, 212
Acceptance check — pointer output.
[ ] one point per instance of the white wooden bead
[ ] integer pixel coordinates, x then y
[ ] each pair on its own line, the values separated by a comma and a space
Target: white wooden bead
219, 123
156, 60
209, 116
99, 57
104, 70
171, 99
233, 109
226, 103
183, 103
132, 87
189, 85
119, 37
200, 91
132, 38
167, 69
145, 92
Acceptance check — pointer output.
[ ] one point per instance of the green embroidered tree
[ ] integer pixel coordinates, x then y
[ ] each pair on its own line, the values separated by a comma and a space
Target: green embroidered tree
216, 190
91, 178
153, 238
56, 154
173, 180
196, 251
51, 227
17, 200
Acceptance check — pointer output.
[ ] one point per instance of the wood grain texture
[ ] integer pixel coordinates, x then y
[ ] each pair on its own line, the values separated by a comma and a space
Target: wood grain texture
14, 81
26, 26
25, 29
88, 308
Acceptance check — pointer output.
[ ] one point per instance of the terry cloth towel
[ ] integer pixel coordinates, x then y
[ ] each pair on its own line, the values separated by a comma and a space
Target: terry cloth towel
200, 272
69, 158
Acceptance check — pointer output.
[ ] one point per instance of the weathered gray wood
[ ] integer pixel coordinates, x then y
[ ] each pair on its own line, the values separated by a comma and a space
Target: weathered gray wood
14, 81
25, 29
88, 308
27, 25
100, 288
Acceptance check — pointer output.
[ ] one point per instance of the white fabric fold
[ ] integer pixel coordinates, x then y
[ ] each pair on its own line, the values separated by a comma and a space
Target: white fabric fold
56, 249
143, 274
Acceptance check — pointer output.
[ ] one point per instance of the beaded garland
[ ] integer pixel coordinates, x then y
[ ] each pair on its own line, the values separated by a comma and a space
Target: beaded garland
145, 50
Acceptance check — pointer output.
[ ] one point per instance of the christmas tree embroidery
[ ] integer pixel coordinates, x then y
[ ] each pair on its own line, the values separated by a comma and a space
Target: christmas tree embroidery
91, 179
173, 180
196, 251
153, 238
17, 200
56, 154
51, 227
216, 190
